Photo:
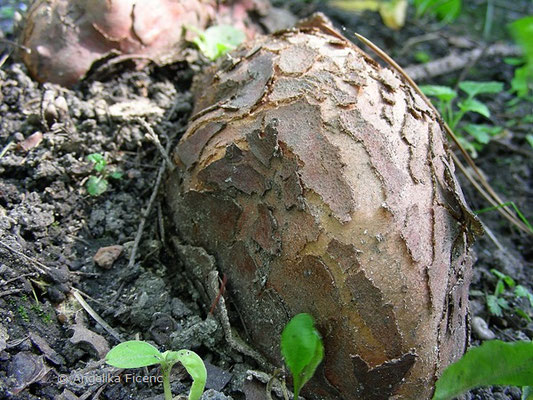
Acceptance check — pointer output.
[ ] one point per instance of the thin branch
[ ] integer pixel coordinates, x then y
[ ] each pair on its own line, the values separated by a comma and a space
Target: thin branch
145, 214
455, 62
155, 139
95, 315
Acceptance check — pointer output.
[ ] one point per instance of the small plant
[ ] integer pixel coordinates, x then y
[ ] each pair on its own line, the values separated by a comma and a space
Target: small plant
506, 288
493, 363
302, 349
217, 40
97, 184
137, 354
522, 31
480, 133
23, 313
445, 10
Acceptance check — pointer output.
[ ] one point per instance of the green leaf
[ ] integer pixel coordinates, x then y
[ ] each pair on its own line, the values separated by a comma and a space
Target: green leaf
506, 278
302, 349
493, 363
116, 175
96, 185
218, 40
474, 106
514, 61
443, 93
422, 57
482, 133
500, 288
196, 369
520, 81
529, 139
473, 88
521, 291
523, 314
98, 160
527, 393
133, 354
493, 306
445, 10
522, 32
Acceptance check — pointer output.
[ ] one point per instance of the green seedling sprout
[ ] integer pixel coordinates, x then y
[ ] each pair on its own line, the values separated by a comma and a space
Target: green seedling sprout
217, 40
137, 354
481, 133
506, 286
493, 363
97, 184
302, 349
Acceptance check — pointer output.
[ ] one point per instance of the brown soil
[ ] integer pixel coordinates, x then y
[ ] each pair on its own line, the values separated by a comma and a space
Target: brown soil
51, 228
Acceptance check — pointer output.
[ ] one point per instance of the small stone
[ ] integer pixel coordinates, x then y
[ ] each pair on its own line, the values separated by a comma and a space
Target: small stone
481, 329
217, 378
106, 256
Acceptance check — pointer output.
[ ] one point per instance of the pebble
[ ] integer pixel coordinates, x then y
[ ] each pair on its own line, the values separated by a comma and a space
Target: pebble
481, 329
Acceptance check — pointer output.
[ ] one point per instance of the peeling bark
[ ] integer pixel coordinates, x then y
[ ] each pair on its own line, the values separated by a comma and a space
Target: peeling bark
65, 37
322, 183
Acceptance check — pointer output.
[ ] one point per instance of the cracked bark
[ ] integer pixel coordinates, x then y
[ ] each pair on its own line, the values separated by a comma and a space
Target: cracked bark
322, 183
65, 37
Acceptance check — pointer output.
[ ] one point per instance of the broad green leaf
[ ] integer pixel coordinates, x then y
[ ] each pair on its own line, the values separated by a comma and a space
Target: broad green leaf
196, 368
493, 363
443, 93
218, 40
527, 393
98, 160
482, 133
302, 349
96, 185
133, 354
473, 88
474, 106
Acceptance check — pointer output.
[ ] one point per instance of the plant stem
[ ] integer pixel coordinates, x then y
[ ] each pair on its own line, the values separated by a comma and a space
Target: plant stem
165, 371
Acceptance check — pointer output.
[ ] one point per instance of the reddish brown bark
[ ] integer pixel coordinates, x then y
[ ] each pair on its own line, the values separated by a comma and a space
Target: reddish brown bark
65, 37
322, 183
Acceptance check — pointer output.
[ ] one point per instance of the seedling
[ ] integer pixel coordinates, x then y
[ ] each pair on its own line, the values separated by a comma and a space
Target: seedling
217, 40
493, 363
97, 184
506, 288
302, 349
137, 354
481, 133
